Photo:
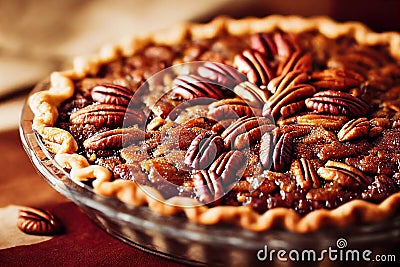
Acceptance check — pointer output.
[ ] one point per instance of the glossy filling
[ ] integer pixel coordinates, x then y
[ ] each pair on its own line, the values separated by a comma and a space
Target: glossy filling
305, 123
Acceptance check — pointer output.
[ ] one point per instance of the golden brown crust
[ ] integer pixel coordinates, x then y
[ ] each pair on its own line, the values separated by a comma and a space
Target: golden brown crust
44, 106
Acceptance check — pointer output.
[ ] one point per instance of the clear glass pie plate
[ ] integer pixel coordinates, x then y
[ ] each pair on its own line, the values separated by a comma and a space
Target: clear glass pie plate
176, 238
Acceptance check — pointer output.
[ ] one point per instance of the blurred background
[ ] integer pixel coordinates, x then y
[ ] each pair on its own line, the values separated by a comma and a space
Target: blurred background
36, 37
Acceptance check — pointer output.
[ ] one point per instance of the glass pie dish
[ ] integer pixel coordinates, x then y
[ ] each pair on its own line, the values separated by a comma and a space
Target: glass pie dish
176, 238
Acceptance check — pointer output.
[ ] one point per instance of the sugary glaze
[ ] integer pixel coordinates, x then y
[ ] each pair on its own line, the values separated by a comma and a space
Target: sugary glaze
331, 188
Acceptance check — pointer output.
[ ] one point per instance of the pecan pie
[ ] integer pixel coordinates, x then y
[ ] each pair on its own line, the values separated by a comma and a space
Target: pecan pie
281, 122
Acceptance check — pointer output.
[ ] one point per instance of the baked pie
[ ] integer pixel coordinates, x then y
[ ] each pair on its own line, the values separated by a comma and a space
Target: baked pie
276, 122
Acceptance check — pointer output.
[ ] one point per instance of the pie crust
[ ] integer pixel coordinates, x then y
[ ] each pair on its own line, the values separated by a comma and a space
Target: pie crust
44, 105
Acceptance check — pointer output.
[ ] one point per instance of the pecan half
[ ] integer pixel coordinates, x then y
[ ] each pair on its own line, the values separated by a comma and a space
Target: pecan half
280, 83
221, 74
134, 117
254, 96
353, 129
292, 108
288, 101
228, 165
38, 222
377, 125
337, 103
212, 184
266, 148
161, 170
326, 121
336, 79
265, 44
343, 174
106, 115
279, 44
298, 61
246, 131
283, 140
329, 122
295, 131
192, 86
306, 176
231, 108
286, 44
283, 151
203, 150
255, 66
112, 94
207, 186
114, 139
